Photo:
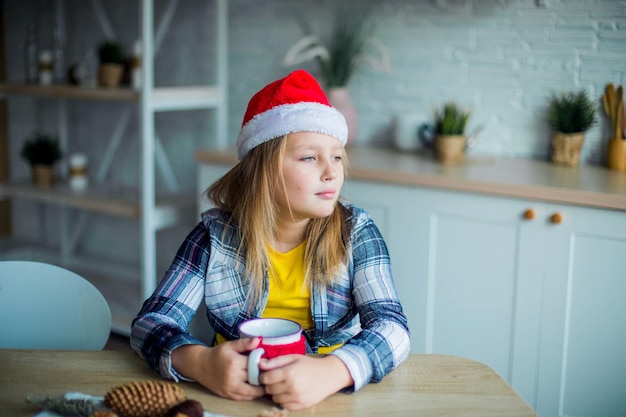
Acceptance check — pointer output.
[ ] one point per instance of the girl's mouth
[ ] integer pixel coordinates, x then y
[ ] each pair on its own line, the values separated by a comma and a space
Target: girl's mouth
328, 194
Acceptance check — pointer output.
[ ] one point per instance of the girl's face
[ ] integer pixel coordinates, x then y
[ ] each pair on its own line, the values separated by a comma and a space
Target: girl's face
313, 173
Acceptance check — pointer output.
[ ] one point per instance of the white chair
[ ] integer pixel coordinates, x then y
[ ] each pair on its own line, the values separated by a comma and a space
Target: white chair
43, 306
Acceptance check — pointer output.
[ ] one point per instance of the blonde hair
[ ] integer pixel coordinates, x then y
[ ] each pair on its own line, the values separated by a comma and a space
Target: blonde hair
247, 192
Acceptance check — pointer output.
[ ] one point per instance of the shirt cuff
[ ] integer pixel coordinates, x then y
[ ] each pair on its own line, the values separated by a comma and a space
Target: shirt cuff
358, 364
166, 369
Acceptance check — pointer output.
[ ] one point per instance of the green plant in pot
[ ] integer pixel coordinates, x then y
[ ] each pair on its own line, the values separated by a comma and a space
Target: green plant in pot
570, 114
112, 60
42, 151
344, 45
449, 126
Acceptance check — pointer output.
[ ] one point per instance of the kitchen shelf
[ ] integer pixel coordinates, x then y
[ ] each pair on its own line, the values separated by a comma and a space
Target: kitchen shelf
71, 92
186, 98
111, 200
163, 98
124, 286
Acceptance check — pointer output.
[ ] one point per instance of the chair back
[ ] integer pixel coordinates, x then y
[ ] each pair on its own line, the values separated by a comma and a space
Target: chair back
43, 306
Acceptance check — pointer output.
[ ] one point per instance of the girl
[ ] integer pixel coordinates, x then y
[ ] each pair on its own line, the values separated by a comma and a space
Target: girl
280, 243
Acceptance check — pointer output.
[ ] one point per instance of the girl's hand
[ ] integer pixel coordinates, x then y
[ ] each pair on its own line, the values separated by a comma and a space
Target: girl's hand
223, 369
296, 381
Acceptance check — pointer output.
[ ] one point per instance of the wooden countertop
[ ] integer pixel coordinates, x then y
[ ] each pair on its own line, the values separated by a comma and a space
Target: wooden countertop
425, 385
585, 185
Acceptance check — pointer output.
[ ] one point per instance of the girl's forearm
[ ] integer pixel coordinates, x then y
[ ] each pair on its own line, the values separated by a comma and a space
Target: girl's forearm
186, 360
337, 373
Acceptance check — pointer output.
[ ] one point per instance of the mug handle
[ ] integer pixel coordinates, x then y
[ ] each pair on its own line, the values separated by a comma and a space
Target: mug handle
253, 365
472, 138
426, 135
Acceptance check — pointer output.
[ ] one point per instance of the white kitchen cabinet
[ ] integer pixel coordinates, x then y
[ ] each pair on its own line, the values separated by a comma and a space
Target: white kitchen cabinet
582, 351
153, 211
538, 301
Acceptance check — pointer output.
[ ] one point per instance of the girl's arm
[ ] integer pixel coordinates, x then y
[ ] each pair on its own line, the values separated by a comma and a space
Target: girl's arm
384, 341
162, 325
160, 333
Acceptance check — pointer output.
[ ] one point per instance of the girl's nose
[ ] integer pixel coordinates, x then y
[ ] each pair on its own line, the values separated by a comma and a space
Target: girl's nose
330, 172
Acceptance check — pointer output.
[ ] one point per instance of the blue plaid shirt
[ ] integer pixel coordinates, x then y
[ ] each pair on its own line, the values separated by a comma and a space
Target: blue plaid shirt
361, 309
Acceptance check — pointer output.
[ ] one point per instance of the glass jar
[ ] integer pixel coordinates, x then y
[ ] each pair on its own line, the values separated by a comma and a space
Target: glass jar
46, 67
31, 60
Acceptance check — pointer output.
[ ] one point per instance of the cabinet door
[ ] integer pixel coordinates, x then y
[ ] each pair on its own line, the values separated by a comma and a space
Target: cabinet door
583, 346
484, 283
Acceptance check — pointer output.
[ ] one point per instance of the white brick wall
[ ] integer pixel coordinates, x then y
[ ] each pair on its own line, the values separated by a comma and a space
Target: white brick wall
500, 58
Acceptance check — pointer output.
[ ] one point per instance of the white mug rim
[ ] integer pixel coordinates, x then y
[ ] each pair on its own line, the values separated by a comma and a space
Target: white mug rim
291, 336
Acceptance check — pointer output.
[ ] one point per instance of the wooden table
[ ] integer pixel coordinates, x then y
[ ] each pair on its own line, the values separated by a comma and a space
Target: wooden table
425, 385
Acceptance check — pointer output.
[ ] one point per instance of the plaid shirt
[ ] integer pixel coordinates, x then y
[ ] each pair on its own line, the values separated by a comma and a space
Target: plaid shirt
361, 309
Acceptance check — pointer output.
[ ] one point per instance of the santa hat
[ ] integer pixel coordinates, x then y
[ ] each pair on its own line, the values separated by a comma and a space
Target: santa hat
292, 104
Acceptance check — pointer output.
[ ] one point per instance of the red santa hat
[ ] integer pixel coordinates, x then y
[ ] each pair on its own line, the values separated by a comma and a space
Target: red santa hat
292, 104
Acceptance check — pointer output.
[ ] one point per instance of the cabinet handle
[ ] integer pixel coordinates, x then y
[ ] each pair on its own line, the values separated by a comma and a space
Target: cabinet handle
529, 214
556, 218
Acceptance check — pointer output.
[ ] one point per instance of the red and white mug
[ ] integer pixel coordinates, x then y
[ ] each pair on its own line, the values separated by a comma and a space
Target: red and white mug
278, 337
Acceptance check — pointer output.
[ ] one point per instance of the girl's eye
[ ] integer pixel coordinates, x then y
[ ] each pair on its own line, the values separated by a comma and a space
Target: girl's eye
338, 158
308, 158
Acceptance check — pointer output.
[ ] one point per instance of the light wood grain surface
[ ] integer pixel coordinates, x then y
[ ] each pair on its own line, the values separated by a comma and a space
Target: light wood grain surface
72, 92
584, 185
425, 385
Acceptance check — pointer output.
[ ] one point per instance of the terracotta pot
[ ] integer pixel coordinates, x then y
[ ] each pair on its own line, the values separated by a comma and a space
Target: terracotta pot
566, 148
616, 154
450, 149
340, 99
110, 75
43, 175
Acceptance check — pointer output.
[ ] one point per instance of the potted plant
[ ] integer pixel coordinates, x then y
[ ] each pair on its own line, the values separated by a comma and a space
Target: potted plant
42, 151
449, 126
349, 45
112, 60
570, 114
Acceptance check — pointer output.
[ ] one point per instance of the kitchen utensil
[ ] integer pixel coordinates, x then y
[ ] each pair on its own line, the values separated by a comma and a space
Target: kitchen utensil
623, 123
609, 100
613, 102
619, 118
619, 109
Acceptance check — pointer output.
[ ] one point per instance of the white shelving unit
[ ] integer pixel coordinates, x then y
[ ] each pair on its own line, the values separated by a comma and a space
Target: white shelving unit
154, 212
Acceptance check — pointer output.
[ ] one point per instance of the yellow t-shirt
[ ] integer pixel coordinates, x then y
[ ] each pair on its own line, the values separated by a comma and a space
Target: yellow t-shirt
288, 298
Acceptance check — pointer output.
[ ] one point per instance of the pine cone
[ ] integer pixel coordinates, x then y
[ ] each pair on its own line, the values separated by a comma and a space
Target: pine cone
144, 398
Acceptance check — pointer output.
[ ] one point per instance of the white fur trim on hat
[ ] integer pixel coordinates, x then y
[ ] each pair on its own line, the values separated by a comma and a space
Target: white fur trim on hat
291, 118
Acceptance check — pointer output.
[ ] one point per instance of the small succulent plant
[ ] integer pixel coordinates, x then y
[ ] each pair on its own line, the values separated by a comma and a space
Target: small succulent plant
450, 120
571, 112
41, 149
112, 52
